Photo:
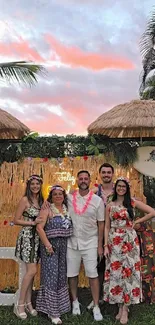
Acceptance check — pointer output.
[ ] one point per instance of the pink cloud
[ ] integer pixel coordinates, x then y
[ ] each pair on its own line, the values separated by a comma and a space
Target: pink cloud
22, 49
77, 57
56, 125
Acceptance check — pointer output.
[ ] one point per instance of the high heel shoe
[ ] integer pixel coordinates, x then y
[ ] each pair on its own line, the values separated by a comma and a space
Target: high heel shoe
32, 312
22, 315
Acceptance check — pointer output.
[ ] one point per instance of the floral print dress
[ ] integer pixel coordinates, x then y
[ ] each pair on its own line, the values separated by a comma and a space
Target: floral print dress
122, 275
27, 245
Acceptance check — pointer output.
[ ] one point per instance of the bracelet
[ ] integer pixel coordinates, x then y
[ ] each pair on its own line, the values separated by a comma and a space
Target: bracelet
105, 245
47, 247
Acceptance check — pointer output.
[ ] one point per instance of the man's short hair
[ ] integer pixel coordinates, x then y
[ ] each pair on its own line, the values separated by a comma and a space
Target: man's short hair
83, 171
106, 165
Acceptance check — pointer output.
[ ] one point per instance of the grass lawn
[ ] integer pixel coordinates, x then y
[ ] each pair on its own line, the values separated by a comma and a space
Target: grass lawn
139, 315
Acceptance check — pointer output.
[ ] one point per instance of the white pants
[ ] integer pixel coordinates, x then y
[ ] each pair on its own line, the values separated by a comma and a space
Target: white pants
89, 257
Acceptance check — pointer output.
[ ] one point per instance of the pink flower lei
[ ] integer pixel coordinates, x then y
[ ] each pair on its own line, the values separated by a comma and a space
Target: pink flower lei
77, 211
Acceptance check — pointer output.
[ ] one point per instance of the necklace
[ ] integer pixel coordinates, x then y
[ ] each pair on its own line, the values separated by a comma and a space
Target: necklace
78, 211
56, 211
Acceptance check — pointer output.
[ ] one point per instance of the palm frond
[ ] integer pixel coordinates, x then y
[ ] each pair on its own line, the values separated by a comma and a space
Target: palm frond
147, 48
148, 92
150, 82
147, 40
148, 66
21, 71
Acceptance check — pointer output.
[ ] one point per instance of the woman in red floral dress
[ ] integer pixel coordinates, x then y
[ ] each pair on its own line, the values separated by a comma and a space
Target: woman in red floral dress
122, 283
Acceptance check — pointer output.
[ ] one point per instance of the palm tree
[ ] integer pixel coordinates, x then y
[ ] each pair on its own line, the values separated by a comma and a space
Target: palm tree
21, 71
147, 49
149, 90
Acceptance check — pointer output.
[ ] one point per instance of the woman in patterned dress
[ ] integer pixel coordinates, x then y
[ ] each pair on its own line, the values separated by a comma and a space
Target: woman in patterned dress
53, 297
122, 275
28, 242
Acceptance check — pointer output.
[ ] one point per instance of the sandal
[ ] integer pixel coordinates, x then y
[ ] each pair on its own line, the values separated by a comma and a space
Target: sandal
33, 311
22, 315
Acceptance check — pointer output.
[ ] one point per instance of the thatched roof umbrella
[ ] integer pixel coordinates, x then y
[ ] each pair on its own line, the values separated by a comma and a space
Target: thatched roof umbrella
11, 127
135, 119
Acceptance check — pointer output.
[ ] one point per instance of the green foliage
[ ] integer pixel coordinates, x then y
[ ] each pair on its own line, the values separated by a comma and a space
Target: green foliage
21, 71
59, 146
125, 153
95, 148
149, 190
148, 91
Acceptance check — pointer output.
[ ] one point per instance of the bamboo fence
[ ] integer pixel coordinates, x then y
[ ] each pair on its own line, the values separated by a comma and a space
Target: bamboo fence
13, 178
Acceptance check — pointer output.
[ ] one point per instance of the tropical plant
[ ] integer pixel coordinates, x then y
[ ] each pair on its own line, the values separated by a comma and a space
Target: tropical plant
148, 91
21, 71
95, 147
147, 49
124, 153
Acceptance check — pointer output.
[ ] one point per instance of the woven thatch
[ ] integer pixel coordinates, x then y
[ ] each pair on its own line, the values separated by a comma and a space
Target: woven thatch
11, 127
135, 119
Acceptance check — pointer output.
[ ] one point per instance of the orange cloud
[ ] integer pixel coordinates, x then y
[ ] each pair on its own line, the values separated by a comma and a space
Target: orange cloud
21, 49
78, 58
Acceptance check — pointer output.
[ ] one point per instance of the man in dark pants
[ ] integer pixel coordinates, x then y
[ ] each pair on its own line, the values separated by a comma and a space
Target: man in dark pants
105, 191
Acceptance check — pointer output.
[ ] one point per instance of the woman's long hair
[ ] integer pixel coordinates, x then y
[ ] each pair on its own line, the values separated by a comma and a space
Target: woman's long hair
57, 187
28, 192
127, 202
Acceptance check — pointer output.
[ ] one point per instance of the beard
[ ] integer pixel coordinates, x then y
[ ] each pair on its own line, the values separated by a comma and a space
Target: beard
83, 186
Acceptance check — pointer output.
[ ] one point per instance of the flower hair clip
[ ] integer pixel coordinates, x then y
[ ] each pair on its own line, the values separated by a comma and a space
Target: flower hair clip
121, 178
38, 178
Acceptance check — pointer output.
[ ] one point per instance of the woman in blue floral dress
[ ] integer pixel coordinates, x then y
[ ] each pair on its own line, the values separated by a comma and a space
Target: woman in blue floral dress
27, 244
122, 283
53, 297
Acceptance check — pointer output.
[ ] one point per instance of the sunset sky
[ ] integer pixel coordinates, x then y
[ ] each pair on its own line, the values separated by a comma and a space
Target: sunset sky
90, 49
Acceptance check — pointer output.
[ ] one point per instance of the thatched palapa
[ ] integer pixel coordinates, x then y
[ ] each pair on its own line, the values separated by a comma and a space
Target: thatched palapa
11, 127
135, 119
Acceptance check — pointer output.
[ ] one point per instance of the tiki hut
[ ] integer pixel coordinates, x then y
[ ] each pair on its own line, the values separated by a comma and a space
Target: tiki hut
135, 119
11, 127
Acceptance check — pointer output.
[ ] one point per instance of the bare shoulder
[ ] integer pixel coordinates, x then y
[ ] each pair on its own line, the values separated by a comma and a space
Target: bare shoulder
24, 201
23, 204
24, 198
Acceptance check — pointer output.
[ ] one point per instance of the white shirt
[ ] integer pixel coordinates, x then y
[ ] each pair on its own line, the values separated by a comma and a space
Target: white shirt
85, 228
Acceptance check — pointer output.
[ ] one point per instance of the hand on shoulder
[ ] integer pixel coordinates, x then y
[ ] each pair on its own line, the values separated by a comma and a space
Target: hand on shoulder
94, 189
45, 205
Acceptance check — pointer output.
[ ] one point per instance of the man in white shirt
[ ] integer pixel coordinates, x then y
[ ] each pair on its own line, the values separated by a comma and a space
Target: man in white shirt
87, 212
